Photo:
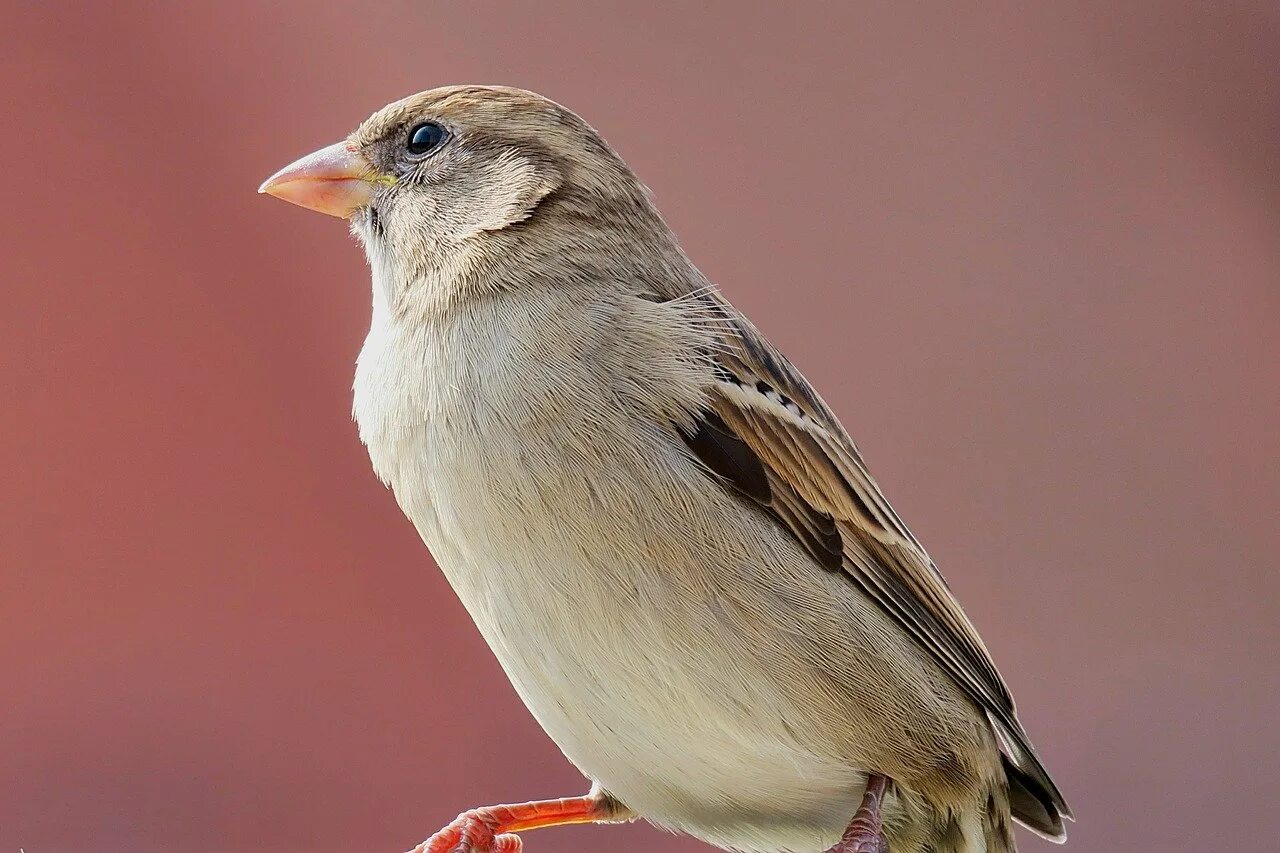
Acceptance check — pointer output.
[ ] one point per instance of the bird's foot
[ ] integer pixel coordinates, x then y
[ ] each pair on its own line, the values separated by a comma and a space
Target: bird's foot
473, 831
866, 831
492, 829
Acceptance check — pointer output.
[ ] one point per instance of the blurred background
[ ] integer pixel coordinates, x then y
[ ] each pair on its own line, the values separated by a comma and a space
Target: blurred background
1030, 252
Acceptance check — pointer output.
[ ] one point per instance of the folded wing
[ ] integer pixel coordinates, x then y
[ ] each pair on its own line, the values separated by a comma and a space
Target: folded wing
769, 435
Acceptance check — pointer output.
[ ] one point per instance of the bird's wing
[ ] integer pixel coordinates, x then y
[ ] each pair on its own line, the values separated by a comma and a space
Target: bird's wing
769, 434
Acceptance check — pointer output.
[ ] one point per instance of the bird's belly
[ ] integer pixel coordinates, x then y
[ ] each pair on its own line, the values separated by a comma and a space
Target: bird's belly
674, 732
611, 623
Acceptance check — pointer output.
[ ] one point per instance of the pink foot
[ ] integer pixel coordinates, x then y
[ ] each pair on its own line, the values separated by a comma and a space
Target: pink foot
470, 832
491, 829
866, 831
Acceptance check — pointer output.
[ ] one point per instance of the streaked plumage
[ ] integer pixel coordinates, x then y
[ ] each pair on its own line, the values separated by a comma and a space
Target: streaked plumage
666, 537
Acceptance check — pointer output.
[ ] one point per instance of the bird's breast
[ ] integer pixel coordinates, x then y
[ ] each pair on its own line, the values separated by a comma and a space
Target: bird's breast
598, 561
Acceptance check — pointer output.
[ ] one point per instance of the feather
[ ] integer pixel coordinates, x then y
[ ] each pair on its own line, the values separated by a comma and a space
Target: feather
805, 470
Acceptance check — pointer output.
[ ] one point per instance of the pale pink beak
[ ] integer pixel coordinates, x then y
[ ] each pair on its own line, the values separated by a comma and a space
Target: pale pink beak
334, 180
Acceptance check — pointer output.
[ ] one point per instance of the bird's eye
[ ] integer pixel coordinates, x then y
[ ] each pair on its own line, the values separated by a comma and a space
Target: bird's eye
425, 138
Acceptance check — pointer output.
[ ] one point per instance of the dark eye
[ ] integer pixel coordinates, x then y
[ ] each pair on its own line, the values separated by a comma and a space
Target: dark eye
425, 138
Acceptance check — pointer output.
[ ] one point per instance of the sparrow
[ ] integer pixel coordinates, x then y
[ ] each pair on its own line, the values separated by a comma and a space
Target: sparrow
668, 540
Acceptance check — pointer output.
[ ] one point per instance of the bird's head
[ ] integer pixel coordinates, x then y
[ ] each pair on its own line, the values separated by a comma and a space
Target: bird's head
462, 179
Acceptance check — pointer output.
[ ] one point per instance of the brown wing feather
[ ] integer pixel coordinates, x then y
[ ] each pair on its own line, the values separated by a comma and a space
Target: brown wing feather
820, 490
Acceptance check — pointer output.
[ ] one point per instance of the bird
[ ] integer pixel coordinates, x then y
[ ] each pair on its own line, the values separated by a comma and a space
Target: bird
673, 548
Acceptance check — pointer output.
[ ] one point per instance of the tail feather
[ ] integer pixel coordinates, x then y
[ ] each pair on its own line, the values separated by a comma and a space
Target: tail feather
1032, 805
1034, 800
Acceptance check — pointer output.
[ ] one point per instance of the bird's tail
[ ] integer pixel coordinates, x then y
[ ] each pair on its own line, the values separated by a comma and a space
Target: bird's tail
1034, 800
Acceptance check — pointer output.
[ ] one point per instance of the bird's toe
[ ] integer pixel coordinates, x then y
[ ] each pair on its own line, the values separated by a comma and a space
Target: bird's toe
470, 832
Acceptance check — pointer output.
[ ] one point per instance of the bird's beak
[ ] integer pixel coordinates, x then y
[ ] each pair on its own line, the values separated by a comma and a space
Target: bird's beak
334, 180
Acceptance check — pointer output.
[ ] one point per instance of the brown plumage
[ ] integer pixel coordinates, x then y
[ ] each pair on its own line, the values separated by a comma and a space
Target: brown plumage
669, 541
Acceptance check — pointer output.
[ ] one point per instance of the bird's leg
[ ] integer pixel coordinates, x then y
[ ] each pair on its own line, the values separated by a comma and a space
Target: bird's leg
866, 831
492, 829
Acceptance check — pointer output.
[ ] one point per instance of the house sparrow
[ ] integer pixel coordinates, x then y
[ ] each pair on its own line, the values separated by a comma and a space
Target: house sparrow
664, 534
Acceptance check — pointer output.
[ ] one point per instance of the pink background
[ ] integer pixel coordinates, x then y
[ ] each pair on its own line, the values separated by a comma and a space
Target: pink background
1029, 253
